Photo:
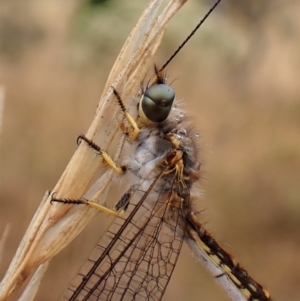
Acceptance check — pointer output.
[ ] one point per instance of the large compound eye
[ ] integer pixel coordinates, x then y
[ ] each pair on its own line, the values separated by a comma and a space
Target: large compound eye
157, 102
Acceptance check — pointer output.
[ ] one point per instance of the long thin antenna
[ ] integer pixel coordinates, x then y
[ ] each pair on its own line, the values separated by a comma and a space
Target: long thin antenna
189, 36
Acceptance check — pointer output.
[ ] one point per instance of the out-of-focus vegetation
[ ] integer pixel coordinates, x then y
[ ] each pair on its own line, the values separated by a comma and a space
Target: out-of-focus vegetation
238, 77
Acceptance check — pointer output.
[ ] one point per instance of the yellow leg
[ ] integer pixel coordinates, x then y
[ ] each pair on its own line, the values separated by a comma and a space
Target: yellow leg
106, 157
101, 208
91, 204
110, 162
135, 129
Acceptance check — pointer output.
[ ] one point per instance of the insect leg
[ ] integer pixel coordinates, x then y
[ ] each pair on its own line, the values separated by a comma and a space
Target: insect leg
106, 157
135, 129
118, 210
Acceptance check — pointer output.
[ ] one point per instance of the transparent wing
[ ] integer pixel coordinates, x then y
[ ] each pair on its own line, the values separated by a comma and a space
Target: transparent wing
137, 255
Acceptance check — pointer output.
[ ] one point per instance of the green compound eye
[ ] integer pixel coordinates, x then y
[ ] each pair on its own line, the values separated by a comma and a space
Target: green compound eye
157, 102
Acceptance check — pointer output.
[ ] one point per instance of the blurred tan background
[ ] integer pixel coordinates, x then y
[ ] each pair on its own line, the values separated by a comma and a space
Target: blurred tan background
239, 78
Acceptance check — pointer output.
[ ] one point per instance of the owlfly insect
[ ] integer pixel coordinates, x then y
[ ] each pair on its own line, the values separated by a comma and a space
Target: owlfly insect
137, 255
154, 173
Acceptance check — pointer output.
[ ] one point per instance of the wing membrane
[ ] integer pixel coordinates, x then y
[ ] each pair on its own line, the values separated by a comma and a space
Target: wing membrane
136, 256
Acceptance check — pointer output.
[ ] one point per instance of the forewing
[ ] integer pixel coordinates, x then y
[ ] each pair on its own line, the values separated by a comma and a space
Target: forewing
136, 257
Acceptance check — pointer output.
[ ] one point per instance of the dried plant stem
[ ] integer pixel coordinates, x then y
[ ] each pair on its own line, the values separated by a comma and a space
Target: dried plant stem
55, 226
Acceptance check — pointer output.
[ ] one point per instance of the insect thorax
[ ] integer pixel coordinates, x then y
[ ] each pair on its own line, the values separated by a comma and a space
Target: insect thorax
153, 150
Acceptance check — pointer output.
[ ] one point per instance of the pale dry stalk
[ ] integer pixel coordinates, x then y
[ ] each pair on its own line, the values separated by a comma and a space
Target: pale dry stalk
55, 226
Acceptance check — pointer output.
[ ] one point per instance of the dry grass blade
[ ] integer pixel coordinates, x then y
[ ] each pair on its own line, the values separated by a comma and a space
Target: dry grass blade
33, 286
53, 227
